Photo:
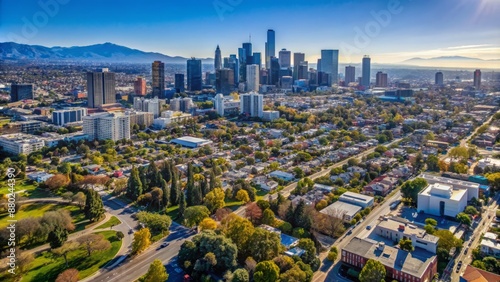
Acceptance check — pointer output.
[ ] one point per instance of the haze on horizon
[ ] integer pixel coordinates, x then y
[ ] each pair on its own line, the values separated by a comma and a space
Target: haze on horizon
390, 31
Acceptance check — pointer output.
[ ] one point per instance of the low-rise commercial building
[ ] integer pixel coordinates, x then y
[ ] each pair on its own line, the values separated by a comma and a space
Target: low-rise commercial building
361, 200
191, 142
21, 143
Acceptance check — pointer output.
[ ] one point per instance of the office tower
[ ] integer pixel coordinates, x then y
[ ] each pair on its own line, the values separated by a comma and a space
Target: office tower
179, 83
286, 82
194, 74
224, 81
381, 79
19, 92
68, 115
219, 104
225, 63
253, 78
234, 65
100, 88
248, 52
154, 105
303, 70
313, 77
350, 72
297, 59
181, 104
251, 104
270, 47
158, 79
477, 79
257, 60
210, 78
264, 76
285, 58
323, 79
106, 126
365, 81
439, 80
318, 67
285, 72
242, 61
140, 86
274, 73
330, 65
218, 59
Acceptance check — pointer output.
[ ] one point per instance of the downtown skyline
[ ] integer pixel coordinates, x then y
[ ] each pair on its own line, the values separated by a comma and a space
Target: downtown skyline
412, 29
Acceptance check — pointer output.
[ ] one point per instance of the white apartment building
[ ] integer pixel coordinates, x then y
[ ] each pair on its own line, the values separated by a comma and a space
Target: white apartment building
252, 104
20, 143
253, 78
154, 105
107, 126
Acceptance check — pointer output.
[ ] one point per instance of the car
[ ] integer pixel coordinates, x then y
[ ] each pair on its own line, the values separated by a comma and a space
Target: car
131, 231
466, 250
369, 227
349, 232
163, 245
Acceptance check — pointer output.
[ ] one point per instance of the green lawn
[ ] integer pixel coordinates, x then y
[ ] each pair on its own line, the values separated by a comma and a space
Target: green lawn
45, 267
19, 186
113, 221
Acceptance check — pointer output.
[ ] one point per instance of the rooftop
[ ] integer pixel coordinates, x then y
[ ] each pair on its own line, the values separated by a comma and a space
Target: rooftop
341, 207
444, 191
408, 229
356, 197
473, 274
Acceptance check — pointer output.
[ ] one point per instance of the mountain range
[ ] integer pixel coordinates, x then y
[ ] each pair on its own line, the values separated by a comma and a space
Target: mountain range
455, 61
106, 52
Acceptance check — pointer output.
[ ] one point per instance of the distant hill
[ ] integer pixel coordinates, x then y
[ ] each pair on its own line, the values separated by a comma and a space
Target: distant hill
106, 52
453, 61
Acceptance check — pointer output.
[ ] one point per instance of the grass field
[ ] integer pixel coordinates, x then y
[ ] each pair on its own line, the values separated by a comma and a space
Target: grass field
19, 186
46, 267
113, 221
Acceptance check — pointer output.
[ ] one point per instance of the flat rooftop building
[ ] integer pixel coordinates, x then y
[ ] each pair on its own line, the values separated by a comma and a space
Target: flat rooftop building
357, 199
341, 209
190, 142
21, 143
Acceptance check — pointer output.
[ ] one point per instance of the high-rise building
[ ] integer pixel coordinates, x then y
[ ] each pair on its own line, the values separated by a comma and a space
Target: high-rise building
248, 52
100, 88
285, 58
181, 104
350, 75
286, 82
477, 79
274, 73
365, 80
257, 60
68, 115
140, 86
297, 59
224, 81
270, 47
218, 59
158, 79
319, 65
179, 83
19, 92
330, 65
381, 79
242, 62
303, 70
219, 104
251, 104
439, 80
106, 126
210, 78
154, 105
194, 74
253, 78
234, 65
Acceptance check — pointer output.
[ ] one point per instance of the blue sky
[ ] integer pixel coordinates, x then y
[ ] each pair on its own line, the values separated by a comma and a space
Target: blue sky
423, 28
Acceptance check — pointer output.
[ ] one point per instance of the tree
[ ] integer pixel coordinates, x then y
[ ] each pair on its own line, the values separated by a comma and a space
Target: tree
182, 206
134, 186
174, 187
142, 240
57, 181
166, 192
207, 224
157, 195
195, 214
262, 245
410, 189
65, 249
69, 275
268, 217
253, 212
447, 240
373, 271
214, 200
156, 272
464, 218
309, 257
239, 275
57, 237
295, 274
157, 223
242, 196
94, 242
80, 199
431, 221
432, 163
94, 208
406, 245
471, 210
266, 271
237, 229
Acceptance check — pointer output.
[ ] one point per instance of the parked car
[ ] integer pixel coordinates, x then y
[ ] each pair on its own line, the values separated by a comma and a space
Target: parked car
163, 245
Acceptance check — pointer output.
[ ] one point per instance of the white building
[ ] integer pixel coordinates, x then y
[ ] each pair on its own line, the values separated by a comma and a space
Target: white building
219, 104
169, 117
181, 104
270, 115
107, 126
445, 196
490, 245
62, 117
488, 162
252, 104
20, 143
282, 175
361, 200
253, 75
154, 105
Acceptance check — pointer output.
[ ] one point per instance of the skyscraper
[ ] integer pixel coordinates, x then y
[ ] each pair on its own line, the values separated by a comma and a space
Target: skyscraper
439, 80
257, 60
179, 83
234, 65
350, 75
251, 104
219, 104
477, 79
274, 74
100, 88
381, 79
140, 86
242, 61
194, 74
20, 92
270, 47
303, 69
106, 126
159, 79
365, 81
248, 52
297, 59
285, 58
330, 65
253, 78
224, 81
218, 59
